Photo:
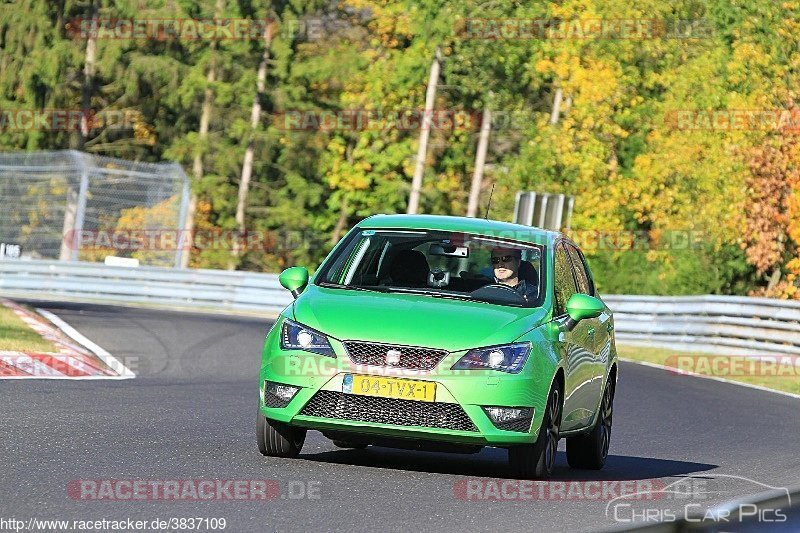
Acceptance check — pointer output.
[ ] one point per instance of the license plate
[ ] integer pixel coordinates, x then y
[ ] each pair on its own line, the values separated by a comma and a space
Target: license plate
402, 389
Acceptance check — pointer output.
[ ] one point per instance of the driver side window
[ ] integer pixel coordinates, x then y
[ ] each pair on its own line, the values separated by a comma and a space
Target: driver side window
564, 283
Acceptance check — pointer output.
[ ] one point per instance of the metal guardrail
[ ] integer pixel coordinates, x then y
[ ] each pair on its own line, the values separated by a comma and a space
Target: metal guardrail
726, 324
723, 324
216, 290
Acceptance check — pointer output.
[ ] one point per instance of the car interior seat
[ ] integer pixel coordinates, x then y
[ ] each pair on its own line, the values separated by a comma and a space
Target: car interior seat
528, 273
409, 268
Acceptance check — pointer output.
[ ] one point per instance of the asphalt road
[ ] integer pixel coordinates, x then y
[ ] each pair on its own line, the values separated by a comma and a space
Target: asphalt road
190, 414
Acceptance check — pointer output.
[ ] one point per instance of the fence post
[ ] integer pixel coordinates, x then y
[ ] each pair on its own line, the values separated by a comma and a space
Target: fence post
185, 198
68, 230
80, 214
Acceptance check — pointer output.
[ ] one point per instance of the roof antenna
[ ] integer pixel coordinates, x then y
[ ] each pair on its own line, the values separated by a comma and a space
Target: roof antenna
489, 205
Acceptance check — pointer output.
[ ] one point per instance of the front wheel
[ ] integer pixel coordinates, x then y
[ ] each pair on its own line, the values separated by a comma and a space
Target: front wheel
278, 440
536, 461
590, 451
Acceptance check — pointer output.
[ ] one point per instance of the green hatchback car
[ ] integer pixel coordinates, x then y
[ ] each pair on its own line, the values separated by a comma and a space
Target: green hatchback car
444, 333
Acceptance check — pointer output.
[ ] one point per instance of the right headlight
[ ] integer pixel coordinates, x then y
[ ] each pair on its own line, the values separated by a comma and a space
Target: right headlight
296, 336
506, 358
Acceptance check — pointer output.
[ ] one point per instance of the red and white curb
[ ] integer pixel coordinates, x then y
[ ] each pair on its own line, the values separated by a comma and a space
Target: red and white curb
77, 356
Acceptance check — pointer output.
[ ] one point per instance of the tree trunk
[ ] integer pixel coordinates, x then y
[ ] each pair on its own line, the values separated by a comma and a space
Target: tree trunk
774, 279
343, 214
68, 237
480, 161
419, 168
556, 113
68, 230
89, 70
339, 228
249, 154
205, 119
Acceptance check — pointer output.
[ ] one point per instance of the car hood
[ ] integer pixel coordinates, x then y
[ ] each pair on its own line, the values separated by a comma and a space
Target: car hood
412, 319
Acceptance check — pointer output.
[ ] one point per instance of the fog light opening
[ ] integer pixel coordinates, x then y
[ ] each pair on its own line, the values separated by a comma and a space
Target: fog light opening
500, 415
284, 393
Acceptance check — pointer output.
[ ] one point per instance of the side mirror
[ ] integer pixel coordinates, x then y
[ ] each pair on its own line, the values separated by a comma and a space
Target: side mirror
581, 306
294, 280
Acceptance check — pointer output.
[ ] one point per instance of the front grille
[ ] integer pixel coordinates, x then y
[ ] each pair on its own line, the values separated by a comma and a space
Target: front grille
332, 404
372, 353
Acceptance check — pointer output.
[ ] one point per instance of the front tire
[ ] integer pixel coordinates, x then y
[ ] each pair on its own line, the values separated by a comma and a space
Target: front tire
536, 461
276, 439
590, 451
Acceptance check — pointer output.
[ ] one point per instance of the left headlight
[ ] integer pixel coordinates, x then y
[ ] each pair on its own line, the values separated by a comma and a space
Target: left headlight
507, 358
296, 336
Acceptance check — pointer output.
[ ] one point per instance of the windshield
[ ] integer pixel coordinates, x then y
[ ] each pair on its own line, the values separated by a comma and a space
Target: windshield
438, 264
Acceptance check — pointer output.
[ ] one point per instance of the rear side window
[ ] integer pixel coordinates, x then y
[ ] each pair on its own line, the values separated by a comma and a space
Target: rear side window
564, 281
585, 285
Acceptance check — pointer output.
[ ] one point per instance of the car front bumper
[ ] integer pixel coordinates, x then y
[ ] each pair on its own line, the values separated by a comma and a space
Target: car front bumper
456, 416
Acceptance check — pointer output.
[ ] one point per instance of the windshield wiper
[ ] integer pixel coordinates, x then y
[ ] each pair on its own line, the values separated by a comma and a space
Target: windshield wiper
374, 288
407, 290
435, 294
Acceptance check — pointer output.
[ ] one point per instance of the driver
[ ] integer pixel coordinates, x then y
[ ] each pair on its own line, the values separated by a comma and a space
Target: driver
505, 264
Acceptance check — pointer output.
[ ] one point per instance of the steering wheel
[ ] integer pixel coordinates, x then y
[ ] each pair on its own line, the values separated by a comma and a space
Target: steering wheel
498, 286
498, 291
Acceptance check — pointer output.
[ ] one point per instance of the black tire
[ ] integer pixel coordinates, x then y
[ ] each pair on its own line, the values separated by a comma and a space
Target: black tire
590, 451
278, 440
354, 444
536, 461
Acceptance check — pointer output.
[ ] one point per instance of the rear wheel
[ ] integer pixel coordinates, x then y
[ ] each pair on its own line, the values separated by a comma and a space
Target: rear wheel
537, 460
276, 439
590, 451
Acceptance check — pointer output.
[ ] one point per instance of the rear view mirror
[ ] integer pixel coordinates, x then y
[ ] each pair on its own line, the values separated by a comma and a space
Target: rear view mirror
294, 280
448, 250
582, 306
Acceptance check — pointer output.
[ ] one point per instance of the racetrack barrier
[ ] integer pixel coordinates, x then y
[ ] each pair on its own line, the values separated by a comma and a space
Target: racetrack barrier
731, 325
210, 290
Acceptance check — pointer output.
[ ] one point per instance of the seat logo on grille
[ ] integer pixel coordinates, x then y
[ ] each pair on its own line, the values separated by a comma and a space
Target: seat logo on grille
393, 357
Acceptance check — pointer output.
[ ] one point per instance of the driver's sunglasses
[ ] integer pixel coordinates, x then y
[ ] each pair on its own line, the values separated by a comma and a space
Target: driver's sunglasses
503, 259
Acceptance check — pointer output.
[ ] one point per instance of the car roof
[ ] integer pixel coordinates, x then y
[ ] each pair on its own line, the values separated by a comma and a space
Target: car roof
479, 226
